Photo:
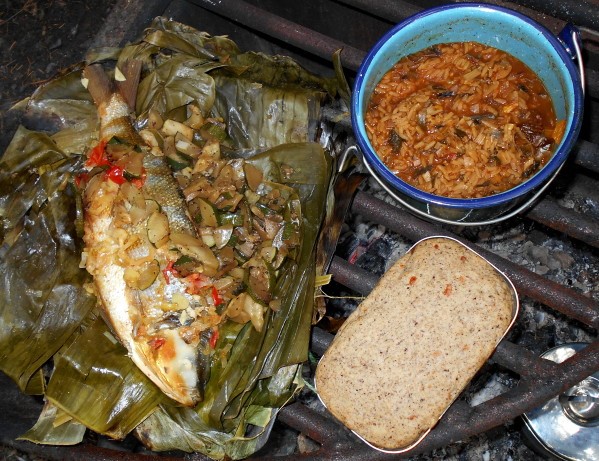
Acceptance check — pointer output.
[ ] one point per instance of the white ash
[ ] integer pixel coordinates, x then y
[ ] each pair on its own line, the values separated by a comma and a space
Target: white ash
494, 387
538, 328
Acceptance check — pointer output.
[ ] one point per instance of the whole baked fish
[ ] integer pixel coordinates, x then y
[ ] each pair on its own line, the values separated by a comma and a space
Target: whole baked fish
136, 226
167, 282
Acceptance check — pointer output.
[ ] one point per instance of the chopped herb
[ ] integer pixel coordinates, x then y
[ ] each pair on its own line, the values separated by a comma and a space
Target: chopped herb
395, 141
421, 170
182, 260
460, 133
530, 170
478, 117
494, 160
446, 94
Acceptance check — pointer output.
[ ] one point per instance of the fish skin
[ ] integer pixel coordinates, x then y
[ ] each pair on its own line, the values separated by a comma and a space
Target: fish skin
121, 304
160, 185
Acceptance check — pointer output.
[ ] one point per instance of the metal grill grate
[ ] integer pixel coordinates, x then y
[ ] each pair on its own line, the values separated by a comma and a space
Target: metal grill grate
311, 31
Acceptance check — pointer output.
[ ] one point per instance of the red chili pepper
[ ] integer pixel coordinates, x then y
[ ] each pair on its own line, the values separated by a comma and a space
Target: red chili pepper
81, 178
156, 343
139, 182
215, 296
196, 282
214, 338
116, 174
97, 157
169, 269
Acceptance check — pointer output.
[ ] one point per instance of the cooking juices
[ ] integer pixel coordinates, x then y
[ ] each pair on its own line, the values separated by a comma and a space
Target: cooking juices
462, 120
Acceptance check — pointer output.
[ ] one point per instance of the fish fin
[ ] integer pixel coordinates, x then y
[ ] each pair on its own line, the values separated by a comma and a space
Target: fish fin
131, 70
99, 85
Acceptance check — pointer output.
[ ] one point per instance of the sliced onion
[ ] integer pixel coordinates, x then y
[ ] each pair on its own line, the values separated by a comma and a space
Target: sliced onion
133, 195
148, 275
172, 127
253, 176
222, 235
207, 235
256, 312
158, 227
223, 283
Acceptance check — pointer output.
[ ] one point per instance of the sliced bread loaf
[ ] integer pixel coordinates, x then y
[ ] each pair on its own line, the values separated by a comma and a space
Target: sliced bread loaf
415, 343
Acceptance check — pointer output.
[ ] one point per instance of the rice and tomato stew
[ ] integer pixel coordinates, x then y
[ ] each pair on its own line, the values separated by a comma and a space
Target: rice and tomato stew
462, 120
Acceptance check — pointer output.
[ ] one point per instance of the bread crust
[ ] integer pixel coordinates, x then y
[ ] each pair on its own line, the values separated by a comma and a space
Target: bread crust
411, 347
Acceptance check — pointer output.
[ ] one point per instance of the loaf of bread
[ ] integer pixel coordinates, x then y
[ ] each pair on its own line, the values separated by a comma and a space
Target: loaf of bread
411, 347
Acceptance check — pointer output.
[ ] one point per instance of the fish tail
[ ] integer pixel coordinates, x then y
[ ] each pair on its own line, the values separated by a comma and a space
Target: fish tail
115, 100
131, 70
99, 85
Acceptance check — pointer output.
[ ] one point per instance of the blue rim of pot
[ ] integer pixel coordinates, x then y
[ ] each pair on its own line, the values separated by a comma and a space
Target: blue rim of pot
517, 192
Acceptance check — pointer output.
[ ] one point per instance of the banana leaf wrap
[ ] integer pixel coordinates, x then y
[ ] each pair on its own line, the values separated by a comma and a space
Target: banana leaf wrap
271, 108
55, 427
42, 295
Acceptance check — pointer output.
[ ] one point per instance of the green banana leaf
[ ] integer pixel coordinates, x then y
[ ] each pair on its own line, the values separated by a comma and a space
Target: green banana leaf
260, 117
163, 35
95, 381
42, 293
262, 372
47, 314
169, 428
54, 427
176, 83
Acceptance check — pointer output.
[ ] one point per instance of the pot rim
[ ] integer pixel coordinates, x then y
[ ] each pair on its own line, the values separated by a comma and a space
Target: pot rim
557, 159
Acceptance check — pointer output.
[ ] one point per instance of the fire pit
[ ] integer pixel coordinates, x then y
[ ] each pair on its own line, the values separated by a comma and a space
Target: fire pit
550, 253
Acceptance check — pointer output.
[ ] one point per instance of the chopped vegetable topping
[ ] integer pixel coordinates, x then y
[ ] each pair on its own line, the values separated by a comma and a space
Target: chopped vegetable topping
156, 343
246, 227
213, 338
169, 269
215, 297
97, 155
116, 174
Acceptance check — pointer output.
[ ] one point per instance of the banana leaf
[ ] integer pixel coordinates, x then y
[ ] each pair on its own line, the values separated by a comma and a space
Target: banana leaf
169, 428
54, 427
168, 36
95, 381
42, 294
252, 374
260, 117
176, 83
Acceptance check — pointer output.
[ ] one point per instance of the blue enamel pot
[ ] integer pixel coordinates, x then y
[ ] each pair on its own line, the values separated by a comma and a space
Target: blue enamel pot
555, 59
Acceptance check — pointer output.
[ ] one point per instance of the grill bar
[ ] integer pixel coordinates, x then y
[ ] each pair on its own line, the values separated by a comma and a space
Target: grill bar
528, 283
390, 10
582, 12
287, 31
586, 155
522, 361
460, 420
577, 225
540, 380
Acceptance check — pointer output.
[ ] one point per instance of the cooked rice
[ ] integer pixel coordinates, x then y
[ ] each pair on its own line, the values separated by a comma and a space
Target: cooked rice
462, 120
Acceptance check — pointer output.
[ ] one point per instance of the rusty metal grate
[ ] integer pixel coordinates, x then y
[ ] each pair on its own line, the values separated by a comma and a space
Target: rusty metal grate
311, 31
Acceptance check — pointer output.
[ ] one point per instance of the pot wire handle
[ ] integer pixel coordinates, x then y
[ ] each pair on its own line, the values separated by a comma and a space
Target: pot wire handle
355, 150
569, 37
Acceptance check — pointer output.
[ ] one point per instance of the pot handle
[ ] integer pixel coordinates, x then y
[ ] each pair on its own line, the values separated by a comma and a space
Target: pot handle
354, 150
569, 37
